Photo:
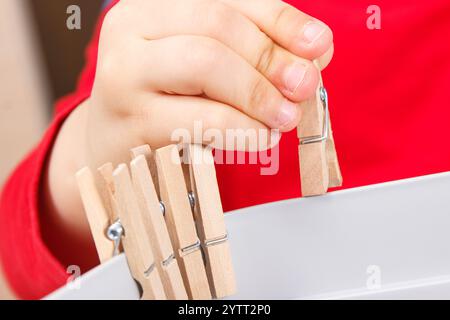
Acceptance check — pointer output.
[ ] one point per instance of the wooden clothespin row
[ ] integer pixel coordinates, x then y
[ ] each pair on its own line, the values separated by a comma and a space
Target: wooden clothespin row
102, 209
319, 166
155, 227
175, 240
210, 221
180, 221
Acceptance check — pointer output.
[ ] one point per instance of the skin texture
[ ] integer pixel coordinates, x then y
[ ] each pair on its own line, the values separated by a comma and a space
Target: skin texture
164, 64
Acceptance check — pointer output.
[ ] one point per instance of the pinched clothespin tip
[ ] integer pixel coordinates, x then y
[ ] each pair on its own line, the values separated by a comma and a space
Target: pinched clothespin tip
319, 166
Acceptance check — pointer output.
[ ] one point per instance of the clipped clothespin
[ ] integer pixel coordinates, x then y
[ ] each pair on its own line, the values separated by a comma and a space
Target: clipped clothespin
136, 238
155, 225
319, 166
179, 219
210, 221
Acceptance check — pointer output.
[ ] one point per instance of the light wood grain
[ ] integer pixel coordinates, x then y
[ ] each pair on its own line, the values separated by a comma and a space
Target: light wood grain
334, 170
313, 157
106, 186
208, 214
314, 172
149, 155
155, 225
96, 213
319, 165
136, 241
181, 223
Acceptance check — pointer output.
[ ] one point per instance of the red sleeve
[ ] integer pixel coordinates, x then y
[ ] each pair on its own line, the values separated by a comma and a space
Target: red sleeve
30, 267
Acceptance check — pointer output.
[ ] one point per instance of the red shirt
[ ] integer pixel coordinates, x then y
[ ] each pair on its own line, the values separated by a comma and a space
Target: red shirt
389, 99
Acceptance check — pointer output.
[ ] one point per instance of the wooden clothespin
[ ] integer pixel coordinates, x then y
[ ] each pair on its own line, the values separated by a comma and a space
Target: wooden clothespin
319, 166
136, 239
155, 225
102, 210
98, 216
153, 220
149, 155
107, 190
179, 219
210, 221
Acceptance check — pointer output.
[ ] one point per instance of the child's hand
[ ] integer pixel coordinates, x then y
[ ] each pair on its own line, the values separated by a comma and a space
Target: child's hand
164, 64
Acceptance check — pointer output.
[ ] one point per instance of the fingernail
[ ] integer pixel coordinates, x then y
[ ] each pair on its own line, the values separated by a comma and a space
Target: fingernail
287, 113
293, 77
313, 31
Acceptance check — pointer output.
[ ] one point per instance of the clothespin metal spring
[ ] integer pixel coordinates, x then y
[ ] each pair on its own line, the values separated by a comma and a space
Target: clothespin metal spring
216, 241
169, 259
149, 271
326, 122
191, 248
207, 243
191, 197
115, 233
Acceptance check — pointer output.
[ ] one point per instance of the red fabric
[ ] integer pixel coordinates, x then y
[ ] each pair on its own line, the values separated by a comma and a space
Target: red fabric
389, 98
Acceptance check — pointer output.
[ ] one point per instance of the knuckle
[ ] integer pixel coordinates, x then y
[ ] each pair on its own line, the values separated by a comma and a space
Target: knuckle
265, 54
258, 96
284, 13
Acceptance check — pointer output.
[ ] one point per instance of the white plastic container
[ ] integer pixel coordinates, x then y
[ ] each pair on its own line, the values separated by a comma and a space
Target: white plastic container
386, 241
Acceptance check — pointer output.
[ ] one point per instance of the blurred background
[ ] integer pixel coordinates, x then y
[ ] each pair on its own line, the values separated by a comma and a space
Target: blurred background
40, 59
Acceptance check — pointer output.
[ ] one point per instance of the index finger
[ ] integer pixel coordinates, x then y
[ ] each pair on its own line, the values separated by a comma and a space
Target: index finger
292, 29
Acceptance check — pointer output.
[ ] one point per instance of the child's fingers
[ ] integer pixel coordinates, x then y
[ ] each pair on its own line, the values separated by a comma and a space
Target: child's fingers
193, 65
285, 70
294, 30
199, 120
324, 60
295, 77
